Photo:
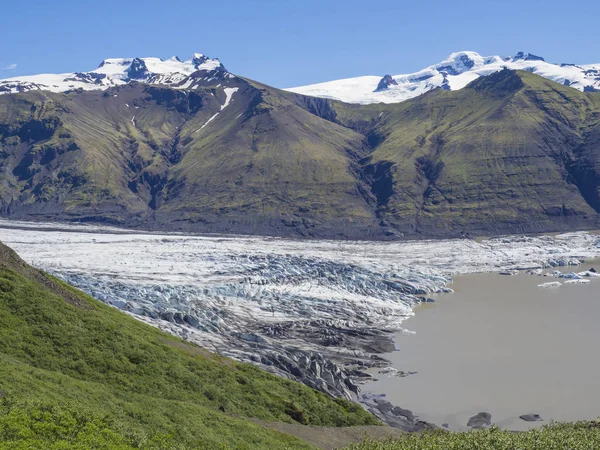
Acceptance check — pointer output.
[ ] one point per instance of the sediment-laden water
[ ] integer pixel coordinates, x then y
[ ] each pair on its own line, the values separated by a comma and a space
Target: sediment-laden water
503, 345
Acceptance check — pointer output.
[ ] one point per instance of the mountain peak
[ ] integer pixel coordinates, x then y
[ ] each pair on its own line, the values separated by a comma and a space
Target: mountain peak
498, 84
527, 57
455, 72
117, 71
385, 83
459, 62
137, 69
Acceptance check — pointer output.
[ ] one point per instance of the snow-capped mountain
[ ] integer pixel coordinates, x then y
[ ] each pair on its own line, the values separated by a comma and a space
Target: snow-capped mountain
458, 70
455, 72
117, 71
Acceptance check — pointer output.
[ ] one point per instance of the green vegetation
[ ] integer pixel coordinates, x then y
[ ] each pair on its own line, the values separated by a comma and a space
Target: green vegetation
511, 152
75, 373
262, 163
575, 436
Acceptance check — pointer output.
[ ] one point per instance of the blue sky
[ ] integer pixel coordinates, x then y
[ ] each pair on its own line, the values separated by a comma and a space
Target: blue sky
289, 43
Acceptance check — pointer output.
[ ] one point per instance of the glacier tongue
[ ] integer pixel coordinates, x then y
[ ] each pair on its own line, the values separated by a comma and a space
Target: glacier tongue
316, 311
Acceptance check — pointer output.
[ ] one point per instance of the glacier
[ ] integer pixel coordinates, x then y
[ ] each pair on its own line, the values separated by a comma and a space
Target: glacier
454, 73
317, 311
118, 71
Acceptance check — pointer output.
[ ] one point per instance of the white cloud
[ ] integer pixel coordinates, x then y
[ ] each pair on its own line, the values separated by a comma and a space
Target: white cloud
10, 67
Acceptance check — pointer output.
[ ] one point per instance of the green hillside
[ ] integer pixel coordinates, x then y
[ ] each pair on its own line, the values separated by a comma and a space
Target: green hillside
140, 154
511, 152
75, 373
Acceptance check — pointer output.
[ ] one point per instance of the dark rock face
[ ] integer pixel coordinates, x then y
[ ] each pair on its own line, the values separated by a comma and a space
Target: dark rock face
527, 57
385, 83
531, 418
445, 82
201, 59
393, 415
480, 420
137, 70
91, 77
531, 57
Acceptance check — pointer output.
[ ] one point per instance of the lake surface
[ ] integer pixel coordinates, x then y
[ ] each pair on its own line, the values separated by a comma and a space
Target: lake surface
502, 345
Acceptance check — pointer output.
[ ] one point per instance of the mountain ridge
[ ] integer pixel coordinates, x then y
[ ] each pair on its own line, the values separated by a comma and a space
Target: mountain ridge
455, 72
118, 71
511, 152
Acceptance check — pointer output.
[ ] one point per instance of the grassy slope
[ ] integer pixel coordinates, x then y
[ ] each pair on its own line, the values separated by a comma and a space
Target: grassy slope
263, 160
65, 356
495, 155
569, 436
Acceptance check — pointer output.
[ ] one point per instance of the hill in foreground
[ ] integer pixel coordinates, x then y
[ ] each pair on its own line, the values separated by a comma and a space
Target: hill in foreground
75, 373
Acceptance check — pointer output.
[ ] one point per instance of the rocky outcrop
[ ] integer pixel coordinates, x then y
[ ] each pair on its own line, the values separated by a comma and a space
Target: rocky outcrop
480, 420
531, 418
385, 83
138, 69
393, 415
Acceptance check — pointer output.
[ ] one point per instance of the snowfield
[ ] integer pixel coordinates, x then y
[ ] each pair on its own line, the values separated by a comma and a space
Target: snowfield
118, 71
454, 73
308, 310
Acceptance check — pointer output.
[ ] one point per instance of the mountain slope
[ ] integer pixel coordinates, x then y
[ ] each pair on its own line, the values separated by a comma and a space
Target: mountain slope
454, 73
76, 373
511, 152
226, 155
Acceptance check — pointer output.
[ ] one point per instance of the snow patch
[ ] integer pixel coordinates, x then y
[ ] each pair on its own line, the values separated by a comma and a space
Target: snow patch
228, 95
207, 122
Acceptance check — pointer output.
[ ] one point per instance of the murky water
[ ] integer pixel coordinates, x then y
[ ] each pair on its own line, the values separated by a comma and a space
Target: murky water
502, 345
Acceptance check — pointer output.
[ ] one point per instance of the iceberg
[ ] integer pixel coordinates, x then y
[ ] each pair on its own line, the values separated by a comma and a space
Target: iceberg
551, 284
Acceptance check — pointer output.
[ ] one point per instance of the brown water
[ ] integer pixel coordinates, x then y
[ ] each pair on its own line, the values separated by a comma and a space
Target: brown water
502, 345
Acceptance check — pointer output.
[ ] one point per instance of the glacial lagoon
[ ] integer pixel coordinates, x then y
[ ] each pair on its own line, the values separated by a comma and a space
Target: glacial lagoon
503, 345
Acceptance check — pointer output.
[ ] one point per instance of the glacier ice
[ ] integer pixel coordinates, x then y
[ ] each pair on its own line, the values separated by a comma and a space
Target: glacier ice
320, 312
